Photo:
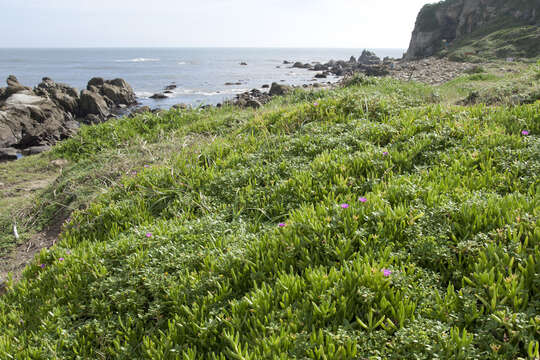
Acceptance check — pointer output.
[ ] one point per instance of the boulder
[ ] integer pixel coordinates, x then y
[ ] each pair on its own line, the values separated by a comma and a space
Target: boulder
8, 154
368, 58
279, 89
97, 82
33, 150
170, 87
158, 96
320, 76
253, 103
266, 86
29, 120
92, 103
61, 94
119, 91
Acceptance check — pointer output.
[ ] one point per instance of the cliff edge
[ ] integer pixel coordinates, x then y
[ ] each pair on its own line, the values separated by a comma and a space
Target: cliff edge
477, 29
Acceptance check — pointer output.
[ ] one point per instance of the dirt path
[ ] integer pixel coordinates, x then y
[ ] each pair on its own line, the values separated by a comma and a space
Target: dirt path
19, 186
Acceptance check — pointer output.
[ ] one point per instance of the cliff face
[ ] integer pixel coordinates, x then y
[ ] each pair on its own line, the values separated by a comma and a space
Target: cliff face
441, 25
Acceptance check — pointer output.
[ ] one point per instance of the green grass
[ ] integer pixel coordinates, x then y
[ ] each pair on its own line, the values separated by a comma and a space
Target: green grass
185, 259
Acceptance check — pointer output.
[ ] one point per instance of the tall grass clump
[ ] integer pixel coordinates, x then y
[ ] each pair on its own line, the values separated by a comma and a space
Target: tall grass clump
364, 222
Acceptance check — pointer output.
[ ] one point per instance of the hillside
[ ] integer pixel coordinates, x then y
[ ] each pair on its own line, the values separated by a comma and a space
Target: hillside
379, 220
477, 30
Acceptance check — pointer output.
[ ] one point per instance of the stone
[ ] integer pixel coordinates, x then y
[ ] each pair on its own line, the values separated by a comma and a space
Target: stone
141, 110
252, 103
59, 162
243, 63
320, 76
279, 89
180, 106
266, 86
368, 58
158, 96
61, 94
8, 154
170, 87
96, 82
92, 103
285, 62
33, 150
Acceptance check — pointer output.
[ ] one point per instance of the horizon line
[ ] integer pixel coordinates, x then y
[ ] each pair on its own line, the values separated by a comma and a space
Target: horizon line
193, 47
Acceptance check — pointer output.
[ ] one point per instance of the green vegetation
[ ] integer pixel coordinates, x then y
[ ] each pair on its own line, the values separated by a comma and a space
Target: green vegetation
517, 41
373, 221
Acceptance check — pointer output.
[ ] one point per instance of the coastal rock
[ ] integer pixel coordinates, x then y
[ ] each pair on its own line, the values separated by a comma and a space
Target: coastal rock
279, 89
440, 25
33, 150
368, 58
321, 76
158, 96
243, 63
266, 86
170, 87
7, 154
92, 103
62, 95
29, 120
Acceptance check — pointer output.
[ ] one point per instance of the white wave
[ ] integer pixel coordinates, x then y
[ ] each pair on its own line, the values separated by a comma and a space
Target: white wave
139, 60
182, 63
143, 94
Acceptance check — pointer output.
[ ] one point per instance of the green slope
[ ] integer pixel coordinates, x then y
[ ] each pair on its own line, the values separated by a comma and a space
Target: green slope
366, 222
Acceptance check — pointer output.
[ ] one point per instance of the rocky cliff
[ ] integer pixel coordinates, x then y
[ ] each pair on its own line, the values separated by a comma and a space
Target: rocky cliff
493, 28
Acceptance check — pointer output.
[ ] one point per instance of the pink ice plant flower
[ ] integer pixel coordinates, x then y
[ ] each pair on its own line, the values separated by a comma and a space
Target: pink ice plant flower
344, 206
315, 104
148, 235
385, 153
386, 272
61, 259
362, 199
282, 224
525, 133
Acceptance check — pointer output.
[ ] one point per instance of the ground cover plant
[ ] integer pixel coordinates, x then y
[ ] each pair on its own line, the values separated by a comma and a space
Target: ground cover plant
373, 221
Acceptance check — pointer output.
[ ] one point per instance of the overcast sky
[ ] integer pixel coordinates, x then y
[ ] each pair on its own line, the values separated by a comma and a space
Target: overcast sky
208, 23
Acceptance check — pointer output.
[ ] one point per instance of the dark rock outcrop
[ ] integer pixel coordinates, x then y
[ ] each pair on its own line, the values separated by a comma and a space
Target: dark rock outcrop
35, 119
442, 24
279, 89
368, 58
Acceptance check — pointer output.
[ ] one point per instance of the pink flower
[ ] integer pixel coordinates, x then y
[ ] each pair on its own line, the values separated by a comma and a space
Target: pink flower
315, 104
133, 172
344, 206
148, 235
386, 272
61, 259
524, 133
42, 266
282, 224
146, 166
385, 153
362, 199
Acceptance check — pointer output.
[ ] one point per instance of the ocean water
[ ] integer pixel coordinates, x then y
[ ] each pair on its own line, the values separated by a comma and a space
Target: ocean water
199, 73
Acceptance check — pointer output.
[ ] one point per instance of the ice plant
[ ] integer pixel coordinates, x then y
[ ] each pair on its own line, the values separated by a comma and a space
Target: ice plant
524, 133
386, 272
282, 224
315, 104
344, 205
385, 153
61, 259
148, 235
362, 199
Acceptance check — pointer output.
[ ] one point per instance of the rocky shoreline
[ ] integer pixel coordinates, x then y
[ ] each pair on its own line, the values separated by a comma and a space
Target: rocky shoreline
32, 120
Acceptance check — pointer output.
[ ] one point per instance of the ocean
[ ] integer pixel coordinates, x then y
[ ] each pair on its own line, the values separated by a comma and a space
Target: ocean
199, 73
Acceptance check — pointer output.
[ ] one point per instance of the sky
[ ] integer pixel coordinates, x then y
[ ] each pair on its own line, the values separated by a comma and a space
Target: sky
208, 23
